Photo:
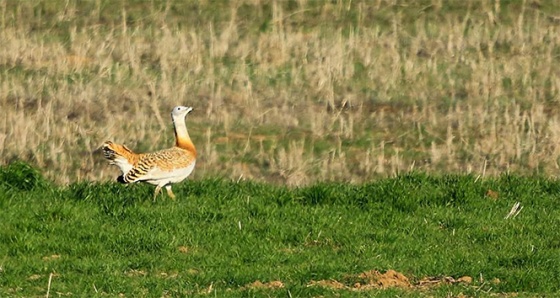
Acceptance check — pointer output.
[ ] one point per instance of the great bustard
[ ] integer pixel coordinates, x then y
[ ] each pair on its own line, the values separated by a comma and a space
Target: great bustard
160, 168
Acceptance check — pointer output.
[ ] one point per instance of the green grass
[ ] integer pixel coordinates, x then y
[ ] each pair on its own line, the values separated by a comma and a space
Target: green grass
102, 239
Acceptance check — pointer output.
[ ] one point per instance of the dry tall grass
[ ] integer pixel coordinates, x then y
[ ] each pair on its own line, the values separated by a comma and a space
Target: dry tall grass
289, 92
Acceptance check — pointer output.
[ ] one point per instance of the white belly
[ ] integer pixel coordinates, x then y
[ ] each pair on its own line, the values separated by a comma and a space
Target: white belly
159, 177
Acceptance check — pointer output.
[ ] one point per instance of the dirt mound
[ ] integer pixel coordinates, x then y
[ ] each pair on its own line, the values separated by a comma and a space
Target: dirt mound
389, 279
370, 280
374, 279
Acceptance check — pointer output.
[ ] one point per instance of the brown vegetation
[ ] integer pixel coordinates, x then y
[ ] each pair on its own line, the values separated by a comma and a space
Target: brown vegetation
287, 92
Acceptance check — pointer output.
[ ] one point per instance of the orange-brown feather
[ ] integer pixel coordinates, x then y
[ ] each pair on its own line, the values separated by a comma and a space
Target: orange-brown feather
186, 144
112, 151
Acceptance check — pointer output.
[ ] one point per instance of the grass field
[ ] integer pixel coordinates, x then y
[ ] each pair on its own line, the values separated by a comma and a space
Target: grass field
288, 92
221, 238
346, 148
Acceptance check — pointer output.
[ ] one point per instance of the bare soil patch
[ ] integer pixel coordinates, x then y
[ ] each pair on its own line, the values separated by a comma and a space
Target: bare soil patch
371, 280
374, 279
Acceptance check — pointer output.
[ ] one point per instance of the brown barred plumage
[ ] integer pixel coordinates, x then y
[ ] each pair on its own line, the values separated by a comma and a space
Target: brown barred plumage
160, 168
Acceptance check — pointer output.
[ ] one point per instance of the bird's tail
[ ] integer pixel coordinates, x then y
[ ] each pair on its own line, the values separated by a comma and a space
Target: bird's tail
120, 156
112, 151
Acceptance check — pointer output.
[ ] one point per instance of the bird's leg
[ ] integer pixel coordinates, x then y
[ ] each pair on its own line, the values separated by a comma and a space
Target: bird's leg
156, 192
170, 192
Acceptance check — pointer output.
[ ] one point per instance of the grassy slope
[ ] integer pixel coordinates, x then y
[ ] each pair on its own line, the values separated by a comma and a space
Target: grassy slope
110, 239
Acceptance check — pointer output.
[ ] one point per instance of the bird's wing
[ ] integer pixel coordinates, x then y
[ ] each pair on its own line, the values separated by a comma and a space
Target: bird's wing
159, 164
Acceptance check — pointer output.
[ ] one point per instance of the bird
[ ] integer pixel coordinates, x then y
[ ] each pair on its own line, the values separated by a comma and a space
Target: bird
160, 168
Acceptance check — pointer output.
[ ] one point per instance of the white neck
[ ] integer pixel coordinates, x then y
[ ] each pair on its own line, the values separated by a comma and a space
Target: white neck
180, 128
182, 138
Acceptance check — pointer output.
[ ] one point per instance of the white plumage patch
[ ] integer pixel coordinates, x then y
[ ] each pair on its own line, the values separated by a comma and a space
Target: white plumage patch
157, 176
123, 164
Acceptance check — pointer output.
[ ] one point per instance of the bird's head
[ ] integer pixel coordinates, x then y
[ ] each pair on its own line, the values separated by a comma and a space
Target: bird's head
180, 112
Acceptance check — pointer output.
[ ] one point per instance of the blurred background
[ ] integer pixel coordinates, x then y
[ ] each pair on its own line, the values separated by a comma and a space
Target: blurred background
287, 92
